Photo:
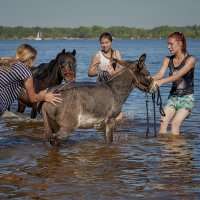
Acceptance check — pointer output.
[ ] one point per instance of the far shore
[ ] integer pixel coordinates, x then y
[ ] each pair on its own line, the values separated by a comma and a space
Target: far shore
78, 39
71, 38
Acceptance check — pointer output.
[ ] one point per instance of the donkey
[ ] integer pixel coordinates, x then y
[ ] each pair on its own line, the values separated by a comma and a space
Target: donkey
47, 75
94, 105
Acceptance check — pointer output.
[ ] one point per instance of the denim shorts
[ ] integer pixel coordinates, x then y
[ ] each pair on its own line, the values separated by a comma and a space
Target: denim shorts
186, 102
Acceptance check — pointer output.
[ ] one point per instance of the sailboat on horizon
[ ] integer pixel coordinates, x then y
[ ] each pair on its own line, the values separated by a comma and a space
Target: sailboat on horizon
39, 36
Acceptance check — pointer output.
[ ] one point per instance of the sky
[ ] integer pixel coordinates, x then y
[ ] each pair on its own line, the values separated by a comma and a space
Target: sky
146, 14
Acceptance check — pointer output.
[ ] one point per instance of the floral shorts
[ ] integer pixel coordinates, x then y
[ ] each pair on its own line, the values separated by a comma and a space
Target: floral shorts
186, 102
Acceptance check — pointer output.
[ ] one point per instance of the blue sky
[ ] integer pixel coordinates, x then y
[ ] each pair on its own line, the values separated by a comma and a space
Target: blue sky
75, 13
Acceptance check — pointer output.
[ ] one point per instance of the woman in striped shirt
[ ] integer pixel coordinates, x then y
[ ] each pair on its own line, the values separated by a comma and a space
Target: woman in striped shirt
15, 73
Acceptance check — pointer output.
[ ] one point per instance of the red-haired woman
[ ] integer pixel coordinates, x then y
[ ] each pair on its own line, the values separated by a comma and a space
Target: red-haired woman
181, 73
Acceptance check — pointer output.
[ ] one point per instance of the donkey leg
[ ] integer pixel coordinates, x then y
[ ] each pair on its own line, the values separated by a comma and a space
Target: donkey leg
110, 127
67, 125
34, 111
21, 107
48, 134
47, 129
57, 139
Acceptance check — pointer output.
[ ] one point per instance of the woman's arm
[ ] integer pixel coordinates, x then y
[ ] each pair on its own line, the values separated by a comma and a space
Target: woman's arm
162, 70
190, 63
93, 66
119, 57
42, 96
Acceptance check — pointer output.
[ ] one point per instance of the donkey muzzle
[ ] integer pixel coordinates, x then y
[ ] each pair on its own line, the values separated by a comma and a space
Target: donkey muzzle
153, 87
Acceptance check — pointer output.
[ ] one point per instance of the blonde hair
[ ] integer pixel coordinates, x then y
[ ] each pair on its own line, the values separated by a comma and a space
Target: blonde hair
24, 52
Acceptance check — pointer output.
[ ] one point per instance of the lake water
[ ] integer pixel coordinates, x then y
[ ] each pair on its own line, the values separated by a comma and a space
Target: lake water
85, 167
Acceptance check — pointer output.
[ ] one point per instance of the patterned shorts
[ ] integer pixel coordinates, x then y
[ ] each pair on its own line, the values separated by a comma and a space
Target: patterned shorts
186, 102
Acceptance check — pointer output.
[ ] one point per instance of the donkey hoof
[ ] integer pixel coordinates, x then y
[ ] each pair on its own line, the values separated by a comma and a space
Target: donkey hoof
55, 142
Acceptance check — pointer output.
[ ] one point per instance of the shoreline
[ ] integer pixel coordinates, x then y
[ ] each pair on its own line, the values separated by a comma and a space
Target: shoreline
71, 38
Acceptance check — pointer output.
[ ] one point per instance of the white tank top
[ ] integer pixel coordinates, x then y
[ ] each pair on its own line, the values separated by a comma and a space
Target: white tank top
105, 63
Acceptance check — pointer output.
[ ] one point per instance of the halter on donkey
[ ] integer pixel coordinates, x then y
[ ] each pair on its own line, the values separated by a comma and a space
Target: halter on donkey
158, 102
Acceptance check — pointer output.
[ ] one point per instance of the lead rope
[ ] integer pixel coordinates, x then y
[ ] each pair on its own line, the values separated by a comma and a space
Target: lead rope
159, 103
64, 85
147, 108
154, 113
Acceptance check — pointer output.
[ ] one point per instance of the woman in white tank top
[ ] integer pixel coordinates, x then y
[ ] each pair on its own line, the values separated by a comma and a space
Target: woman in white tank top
102, 60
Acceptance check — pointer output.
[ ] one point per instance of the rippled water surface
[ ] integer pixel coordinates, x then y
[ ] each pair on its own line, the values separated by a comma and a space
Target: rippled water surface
85, 167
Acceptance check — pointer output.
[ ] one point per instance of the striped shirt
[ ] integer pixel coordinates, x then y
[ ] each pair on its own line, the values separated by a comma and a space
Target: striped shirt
11, 82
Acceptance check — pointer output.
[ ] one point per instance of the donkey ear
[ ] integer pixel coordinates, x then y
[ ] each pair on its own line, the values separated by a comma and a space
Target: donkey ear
74, 52
63, 51
121, 62
142, 60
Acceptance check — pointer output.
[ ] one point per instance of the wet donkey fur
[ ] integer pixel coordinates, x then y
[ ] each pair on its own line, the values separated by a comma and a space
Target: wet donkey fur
94, 105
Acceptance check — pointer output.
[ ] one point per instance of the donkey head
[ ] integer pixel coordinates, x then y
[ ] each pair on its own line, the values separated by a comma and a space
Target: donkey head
139, 73
67, 63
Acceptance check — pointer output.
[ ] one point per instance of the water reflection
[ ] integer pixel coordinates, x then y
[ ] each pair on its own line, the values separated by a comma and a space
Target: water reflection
131, 167
175, 170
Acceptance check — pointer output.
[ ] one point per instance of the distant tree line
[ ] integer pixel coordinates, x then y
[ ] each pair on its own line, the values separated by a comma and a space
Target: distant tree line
83, 32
